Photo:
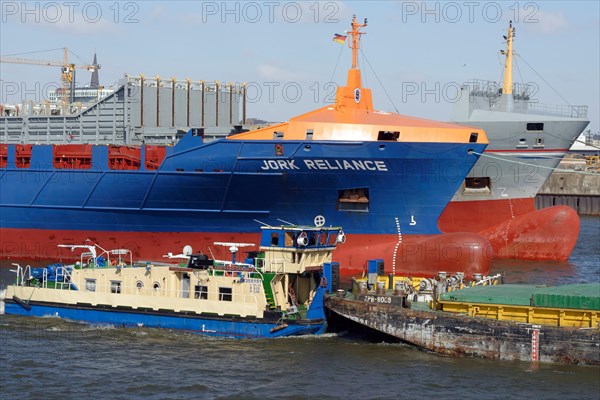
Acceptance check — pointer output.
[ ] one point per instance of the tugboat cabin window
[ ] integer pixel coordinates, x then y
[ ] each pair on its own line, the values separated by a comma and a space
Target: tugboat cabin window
115, 287
535, 126
225, 294
356, 200
274, 239
90, 285
473, 137
388, 135
201, 292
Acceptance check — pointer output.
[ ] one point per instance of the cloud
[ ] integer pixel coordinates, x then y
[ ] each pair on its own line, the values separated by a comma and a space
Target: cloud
293, 12
80, 27
547, 22
275, 73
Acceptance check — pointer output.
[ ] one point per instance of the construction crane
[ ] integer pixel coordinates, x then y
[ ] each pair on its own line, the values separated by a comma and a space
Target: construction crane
67, 71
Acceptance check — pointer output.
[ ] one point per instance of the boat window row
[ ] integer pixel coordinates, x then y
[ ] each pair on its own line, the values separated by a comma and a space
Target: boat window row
200, 291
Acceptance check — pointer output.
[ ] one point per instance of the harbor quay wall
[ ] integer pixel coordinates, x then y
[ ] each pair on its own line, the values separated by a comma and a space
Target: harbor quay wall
574, 189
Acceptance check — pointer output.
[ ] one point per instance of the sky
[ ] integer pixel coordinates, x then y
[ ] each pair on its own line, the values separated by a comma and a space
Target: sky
414, 56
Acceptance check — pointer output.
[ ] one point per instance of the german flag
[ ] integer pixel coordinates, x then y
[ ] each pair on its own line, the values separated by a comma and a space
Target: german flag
341, 39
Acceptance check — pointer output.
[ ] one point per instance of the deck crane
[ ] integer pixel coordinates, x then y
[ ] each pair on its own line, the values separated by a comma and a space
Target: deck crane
67, 71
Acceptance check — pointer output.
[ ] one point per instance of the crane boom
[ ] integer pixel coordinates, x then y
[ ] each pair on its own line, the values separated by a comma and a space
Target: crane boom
45, 62
67, 70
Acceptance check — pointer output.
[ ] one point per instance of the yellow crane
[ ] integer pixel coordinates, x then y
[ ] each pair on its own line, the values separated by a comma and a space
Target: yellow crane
67, 71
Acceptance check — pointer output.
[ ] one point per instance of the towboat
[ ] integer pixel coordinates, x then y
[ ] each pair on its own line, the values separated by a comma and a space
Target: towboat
276, 291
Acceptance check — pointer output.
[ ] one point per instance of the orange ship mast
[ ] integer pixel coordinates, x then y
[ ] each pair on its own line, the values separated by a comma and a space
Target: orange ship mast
355, 44
353, 96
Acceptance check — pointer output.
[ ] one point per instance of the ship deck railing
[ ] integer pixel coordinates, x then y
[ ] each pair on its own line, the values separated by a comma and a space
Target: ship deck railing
561, 110
492, 91
62, 279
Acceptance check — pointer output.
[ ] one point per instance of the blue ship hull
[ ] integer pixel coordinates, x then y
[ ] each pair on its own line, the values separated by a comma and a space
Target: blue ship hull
241, 328
217, 190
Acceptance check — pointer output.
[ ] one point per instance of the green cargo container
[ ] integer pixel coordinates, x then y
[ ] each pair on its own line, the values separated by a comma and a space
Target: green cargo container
510, 294
584, 296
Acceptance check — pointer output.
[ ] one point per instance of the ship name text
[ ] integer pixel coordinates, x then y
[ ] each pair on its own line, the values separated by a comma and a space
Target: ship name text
329, 165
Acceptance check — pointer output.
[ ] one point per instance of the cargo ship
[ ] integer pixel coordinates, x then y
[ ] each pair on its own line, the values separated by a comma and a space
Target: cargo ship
527, 142
384, 177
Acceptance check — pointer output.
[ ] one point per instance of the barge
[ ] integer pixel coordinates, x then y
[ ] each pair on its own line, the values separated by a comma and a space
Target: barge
503, 322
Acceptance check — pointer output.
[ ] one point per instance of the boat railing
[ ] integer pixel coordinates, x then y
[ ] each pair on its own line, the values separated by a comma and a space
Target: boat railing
23, 274
483, 88
277, 266
62, 279
488, 280
561, 110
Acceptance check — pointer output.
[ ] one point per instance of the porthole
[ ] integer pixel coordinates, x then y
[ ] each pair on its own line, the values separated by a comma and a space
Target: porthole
139, 285
156, 286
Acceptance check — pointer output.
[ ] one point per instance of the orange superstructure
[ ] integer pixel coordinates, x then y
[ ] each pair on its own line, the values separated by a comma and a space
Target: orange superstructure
353, 118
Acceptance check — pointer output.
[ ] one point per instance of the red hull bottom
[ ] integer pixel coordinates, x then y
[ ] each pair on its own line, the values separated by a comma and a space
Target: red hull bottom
416, 255
515, 229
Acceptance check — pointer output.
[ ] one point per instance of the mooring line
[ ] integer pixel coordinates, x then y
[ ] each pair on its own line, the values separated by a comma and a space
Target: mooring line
533, 165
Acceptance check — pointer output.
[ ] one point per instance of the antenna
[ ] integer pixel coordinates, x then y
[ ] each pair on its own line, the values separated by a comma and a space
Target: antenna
285, 222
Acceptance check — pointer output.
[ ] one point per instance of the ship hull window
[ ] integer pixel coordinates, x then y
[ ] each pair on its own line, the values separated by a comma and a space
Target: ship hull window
356, 200
478, 185
535, 126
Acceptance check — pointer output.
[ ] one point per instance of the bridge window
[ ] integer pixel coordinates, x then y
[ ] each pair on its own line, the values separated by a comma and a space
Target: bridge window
388, 135
274, 239
473, 137
225, 294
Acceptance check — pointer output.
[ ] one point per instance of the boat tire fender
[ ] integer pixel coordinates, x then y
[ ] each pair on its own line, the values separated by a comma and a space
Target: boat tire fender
20, 302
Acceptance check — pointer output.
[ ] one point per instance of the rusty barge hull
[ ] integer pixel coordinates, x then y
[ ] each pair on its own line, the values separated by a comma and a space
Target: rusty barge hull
463, 336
